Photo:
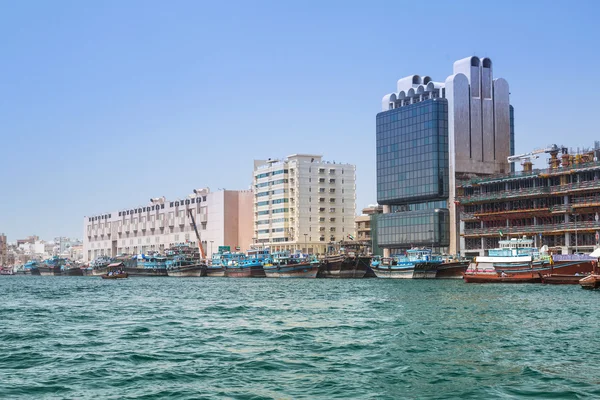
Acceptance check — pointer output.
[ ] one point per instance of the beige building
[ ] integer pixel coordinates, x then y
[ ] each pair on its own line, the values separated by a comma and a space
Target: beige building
223, 218
303, 203
363, 223
3, 250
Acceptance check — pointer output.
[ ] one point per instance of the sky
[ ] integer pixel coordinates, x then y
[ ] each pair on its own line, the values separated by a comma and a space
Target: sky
105, 104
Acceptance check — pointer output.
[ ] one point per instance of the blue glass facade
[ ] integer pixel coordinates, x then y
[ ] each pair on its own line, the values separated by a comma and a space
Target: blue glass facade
412, 175
412, 152
429, 228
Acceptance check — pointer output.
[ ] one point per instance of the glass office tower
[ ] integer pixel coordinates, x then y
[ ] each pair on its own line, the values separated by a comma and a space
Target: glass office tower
431, 135
412, 176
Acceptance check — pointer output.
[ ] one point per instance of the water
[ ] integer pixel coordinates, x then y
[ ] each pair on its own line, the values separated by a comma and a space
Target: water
150, 338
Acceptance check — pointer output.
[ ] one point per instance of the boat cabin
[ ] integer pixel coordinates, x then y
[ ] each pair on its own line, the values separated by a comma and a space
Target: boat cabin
515, 248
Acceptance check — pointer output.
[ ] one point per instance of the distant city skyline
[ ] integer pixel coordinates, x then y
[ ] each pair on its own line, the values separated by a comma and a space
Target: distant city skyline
105, 105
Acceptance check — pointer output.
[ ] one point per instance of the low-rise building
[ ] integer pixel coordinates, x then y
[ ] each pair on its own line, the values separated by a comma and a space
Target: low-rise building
223, 218
364, 225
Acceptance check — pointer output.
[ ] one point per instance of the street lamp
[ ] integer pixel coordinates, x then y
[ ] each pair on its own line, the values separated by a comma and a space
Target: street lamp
305, 243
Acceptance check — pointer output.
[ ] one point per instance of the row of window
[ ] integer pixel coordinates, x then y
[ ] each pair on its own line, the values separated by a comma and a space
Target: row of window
271, 192
266, 174
277, 182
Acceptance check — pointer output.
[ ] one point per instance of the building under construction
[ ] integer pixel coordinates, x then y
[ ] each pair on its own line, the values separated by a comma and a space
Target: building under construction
558, 206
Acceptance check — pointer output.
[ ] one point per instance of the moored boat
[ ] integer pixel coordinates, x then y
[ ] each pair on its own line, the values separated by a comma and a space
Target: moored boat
215, 267
248, 266
418, 263
184, 261
52, 266
517, 261
286, 265
146, 265
181, 266
345, 266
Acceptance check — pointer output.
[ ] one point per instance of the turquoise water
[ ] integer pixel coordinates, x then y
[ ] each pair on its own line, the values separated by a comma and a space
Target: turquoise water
150, 338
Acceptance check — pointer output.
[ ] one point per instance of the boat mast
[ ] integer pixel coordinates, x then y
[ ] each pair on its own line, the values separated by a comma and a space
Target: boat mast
197, 234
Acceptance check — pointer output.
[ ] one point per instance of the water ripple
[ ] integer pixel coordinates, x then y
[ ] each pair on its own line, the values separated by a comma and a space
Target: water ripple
84, 338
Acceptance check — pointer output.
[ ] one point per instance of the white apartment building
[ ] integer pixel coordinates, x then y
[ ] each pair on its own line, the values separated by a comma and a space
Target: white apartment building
303, 203
223, 218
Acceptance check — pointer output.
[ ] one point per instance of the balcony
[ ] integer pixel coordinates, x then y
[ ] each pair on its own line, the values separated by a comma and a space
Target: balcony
119, 229
161, 223
202, 217
135, 227
530, 192
528, 230
181, 220
143, 226
127, 227
171, 221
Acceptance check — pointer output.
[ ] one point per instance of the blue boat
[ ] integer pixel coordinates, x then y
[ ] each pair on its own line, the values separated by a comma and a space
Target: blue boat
286, 265
147, 265
249, 265
52, 266
413, 264
31, 267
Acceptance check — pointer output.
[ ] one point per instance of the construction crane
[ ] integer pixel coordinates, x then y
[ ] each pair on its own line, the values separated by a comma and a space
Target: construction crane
526, 158
202, 254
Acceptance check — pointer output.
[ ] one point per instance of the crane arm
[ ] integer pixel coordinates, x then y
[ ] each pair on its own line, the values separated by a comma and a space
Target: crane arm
202, 254
532, 154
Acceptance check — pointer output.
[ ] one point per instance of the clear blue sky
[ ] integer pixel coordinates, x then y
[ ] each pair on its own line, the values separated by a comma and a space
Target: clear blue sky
104, 104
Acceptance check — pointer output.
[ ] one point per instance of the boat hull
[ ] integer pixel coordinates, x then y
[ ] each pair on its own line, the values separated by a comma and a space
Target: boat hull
590, 282
425, 270
215, 272
394, 273
197, 270
495, 278
561, 279
301, 270
73, 272
134, 271
452, 270
254, 271
344, 267
525, 274
49, 271
115, 276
